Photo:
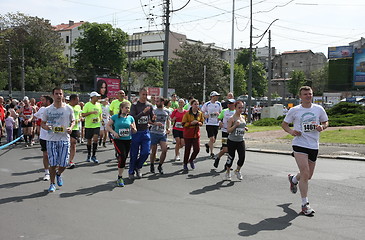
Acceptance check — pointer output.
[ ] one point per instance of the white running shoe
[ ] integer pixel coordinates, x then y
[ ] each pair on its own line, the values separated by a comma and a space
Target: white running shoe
307, 210
177, 159
238, 175
228, 176
46, 177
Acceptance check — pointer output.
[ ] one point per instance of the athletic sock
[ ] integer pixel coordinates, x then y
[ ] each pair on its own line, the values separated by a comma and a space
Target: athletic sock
95, 147
294, 180
119, 177
46, 171
304, 201
88, 150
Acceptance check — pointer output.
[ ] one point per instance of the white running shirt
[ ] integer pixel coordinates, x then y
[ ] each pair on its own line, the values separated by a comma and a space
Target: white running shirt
212, 110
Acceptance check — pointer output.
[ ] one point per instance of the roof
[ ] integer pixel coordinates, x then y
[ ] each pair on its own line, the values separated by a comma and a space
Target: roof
297, 51
68, 26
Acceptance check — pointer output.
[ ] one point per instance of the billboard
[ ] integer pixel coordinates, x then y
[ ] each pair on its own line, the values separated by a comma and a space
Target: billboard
159, 91
340, 52
359, 67
108, 87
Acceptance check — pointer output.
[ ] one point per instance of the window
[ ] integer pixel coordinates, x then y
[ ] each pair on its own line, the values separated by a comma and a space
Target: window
67, 39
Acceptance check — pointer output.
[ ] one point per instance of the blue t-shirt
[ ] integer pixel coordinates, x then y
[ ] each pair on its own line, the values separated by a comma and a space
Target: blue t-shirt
122, 125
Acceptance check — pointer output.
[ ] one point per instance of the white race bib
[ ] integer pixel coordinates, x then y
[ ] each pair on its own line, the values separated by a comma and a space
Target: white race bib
309, 126
124, 132
178, 125
239, 132
143, 120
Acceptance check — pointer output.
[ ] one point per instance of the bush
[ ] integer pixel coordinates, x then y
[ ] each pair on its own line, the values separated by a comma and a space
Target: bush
343, 108
267, 122
347, 120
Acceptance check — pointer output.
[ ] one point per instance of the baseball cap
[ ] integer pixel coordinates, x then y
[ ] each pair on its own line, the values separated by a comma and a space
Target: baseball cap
25, 98
214, 93
231, 101
67, 98
94, 94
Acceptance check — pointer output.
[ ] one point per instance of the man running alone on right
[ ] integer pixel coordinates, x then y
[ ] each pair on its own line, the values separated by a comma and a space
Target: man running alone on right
309, 120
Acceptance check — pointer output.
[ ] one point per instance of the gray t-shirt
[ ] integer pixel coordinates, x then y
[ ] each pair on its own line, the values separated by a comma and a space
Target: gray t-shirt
162, 115
238, 133
141, 119
59, 119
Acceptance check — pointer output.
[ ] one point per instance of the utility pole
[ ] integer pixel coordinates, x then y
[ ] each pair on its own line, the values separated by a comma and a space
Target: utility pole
129, 76
205, 75
231, 83
269, 75
9, 68
166, 50
23, 74
249, 86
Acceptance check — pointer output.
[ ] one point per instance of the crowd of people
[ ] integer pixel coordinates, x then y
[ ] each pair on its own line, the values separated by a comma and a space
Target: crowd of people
137, 129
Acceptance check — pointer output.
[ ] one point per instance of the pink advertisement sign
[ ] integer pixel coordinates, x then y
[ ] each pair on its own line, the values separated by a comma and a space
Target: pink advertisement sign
108, 87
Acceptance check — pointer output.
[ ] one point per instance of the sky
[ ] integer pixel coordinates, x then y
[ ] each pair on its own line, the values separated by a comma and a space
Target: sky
301, 24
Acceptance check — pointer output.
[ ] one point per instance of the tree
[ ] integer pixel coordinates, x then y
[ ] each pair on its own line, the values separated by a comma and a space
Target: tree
297, 80
187, 71
153, 68
99, 51
239, 76
259, 81
45, 67
319, 80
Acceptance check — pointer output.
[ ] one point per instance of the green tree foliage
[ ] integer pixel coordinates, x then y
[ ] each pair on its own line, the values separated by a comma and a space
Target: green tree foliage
259, 81
297, 80
319, 80
153, 68
100, 50
42, 50
187, 71
239, 74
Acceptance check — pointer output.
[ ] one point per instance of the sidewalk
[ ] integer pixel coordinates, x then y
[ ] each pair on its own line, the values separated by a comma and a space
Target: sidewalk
268, 142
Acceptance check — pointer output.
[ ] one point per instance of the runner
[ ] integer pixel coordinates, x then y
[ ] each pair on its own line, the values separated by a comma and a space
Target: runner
75, 135
236, 128
309, 120
92, 114
211, 111
105, 119
223, 117
174, 102
192, 121
121, 126
26, 113
178, 129
114, 106
159, 130
43, 135
141, 140
58, 120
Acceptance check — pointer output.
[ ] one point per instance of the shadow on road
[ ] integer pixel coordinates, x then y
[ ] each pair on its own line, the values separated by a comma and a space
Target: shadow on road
157, 175
15, 184
213, 187
91, 190
212, 173
22, 198
27, 172
269, 224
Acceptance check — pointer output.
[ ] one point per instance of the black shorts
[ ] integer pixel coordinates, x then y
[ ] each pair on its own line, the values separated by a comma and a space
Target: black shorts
43, 144
312, 153
75, 134
212, 131
90, 132
177, 133
26, 125
224, 139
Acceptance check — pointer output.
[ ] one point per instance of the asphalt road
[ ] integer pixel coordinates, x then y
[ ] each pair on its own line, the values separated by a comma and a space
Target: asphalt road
196, 205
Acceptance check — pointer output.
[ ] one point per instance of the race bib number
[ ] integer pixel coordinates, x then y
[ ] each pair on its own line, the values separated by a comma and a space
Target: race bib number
95, 120
309, 127
124, 132
143, 120
239, 131
178, 125
59, 129
160, 128
28, 116
213, 115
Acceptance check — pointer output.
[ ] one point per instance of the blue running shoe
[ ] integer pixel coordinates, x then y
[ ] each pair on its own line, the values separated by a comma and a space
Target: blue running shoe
192, 165
52, 188
93, 158
88, 159
120, 182
59, 180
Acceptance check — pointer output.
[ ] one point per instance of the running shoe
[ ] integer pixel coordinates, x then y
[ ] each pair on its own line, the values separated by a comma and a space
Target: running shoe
93, 158
186, 167
174, 141
152, 168
293, 187
52, 188
145, 163
71, 165
120, 182
138, 174
228, 176
207, 147
212, 156
238, 175
59, 180
46, 177
216, 162
88, 159
192, 165
177, 159
131, 176
307, 210
160, 169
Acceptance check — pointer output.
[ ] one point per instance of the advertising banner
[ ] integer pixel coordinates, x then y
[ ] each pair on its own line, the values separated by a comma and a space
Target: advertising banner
340, 52
359, 67
108, 87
